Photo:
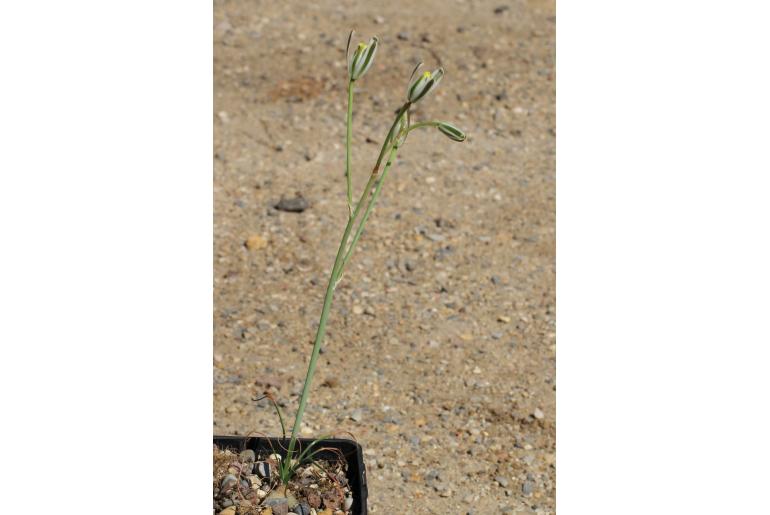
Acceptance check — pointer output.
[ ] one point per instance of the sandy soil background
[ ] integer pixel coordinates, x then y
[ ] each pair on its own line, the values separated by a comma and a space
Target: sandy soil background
440, 356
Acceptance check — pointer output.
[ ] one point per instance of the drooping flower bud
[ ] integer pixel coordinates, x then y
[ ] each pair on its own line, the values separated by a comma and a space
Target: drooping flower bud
420, 86
362, 58
451, 131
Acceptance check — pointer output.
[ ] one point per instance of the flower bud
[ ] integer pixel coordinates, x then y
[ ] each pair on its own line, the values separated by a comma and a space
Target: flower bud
362, 59
420, 86
451, 131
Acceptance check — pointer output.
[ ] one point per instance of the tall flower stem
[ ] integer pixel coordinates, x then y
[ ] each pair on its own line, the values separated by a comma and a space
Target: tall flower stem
339, 263
347, 148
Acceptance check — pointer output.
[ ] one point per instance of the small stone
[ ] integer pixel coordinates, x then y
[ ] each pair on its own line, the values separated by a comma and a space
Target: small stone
527, 487
501, 9
228, 483
357, 415
255, 242
247, 456
358, 310
539, 414
228, 511
223, 116
348, 503
504, 319
379, 20
292, 205
313, 498
263, 470
476, 370
279, 505
403, 36
302, 509
502, 481
218, 357
331, 382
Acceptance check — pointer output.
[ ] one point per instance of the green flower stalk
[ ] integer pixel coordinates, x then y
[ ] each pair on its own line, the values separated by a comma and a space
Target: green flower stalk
358, 65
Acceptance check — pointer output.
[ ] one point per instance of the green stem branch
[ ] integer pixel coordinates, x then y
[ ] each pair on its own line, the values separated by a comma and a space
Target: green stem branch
370, 206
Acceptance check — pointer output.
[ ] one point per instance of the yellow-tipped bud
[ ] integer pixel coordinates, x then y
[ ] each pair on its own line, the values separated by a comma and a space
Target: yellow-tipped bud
423, 84
362, 59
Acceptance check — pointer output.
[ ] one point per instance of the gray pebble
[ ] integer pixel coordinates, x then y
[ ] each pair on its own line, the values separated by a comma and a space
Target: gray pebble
228, 483
348, 502
527, 487
357, 415
280, 505
248, 456
403, 36
263, 470
292, 205
302, 509
501, 481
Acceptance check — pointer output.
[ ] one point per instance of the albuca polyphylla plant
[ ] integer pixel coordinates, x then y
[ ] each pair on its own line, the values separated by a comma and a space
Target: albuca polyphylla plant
358, 64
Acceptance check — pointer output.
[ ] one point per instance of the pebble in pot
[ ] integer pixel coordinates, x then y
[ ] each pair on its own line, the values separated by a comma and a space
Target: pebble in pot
248, 456
263, 470
228, 483
279, 505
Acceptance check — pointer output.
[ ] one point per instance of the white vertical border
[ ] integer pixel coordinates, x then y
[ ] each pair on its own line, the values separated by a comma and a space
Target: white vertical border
662, 257
106, 261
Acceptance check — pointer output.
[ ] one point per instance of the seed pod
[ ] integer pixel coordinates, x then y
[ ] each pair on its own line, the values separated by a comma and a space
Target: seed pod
362, 58
451, 131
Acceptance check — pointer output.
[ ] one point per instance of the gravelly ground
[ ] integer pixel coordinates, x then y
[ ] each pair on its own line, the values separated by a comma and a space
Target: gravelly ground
441, 342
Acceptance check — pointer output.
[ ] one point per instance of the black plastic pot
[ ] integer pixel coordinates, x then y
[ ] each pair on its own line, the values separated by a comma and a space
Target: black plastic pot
349, 449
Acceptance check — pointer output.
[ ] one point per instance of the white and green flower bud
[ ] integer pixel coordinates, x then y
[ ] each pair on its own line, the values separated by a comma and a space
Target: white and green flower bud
451, 131
362, 59
420, 86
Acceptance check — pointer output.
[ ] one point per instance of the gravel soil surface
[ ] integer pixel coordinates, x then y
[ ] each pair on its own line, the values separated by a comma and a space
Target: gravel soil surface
440, 354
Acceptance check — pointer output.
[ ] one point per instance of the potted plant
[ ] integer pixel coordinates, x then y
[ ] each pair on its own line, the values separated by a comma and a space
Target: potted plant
323, 476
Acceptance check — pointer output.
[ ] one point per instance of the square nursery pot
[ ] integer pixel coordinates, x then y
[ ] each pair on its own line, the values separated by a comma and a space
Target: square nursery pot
351, 450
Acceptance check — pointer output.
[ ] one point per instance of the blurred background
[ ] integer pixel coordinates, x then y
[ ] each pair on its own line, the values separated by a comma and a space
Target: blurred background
440, 352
